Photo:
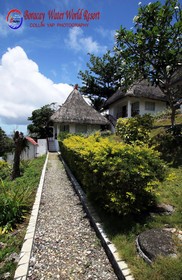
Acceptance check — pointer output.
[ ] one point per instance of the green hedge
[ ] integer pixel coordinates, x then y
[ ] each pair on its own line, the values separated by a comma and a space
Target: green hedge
122, 177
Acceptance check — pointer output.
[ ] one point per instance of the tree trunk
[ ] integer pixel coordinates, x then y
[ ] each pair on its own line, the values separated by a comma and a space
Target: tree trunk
16, 163
173, 111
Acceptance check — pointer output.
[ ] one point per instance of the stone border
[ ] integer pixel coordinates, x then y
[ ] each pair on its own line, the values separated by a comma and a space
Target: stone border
23, 264
120, 267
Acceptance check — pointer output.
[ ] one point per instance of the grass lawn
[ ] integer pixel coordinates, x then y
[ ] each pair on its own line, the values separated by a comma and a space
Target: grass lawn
11, 242
167, 121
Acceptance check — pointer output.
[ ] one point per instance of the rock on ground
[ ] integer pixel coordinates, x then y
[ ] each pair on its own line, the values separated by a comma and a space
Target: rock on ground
155, 242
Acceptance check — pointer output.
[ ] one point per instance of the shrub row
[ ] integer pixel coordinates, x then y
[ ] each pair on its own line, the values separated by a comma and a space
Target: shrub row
121, 177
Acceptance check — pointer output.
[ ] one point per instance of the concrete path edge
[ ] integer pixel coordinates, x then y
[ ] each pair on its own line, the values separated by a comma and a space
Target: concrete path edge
24, 259
120, 266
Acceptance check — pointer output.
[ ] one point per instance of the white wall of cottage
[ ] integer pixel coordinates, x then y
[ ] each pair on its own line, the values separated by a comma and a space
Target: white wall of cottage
73, 128
116, 108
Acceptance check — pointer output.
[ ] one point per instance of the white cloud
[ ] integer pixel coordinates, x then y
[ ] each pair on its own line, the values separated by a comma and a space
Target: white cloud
23, 88
78, 42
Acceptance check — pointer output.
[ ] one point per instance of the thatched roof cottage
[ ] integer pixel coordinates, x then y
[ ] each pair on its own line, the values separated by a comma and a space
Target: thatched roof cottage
141, 98
76, 116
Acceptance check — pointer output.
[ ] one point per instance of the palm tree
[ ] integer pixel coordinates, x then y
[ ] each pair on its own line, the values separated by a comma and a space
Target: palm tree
20, 144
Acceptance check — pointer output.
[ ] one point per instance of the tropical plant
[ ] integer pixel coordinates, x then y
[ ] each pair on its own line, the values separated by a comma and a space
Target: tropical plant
12, 202
5, 170
20, 143
17, 196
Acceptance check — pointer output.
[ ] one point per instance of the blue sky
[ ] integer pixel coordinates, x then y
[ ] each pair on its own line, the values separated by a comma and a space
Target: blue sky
39, 64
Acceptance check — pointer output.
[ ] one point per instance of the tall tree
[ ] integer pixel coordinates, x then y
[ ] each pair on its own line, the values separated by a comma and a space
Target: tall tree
20, 143
100, 81
153, 48
40, 121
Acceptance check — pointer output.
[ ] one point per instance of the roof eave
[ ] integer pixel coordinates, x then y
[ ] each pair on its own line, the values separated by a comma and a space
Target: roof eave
163, 99
64, 121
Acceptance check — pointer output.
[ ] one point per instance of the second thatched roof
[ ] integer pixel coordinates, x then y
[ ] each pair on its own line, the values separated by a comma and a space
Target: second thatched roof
138, 89
76, 110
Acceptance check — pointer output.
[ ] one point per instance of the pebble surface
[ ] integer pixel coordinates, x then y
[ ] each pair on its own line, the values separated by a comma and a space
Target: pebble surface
65, 245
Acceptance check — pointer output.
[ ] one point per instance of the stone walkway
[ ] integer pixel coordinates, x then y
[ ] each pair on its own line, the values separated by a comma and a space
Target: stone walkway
65, 245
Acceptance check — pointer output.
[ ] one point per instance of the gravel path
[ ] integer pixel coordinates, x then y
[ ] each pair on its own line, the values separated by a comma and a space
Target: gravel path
65, 245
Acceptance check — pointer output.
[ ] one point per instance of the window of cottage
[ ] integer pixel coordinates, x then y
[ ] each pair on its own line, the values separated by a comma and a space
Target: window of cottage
149, 106
135, 109
81, 128
124, 112
64, 128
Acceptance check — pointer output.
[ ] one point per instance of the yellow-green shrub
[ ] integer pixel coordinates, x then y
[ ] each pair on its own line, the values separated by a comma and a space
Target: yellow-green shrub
135, 129
121, 177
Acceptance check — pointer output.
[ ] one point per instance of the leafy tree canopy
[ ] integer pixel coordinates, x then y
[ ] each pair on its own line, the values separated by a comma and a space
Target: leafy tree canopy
40, 121
100, 81
153, 48
6, 143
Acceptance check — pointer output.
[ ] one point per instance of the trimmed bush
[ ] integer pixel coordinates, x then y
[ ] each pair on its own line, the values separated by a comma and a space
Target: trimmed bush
135, 129
122, 177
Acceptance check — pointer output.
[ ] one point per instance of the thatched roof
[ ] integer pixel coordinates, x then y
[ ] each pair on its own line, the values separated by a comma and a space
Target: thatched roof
138, 89
76, 110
